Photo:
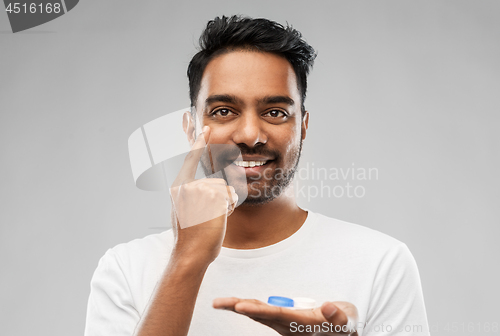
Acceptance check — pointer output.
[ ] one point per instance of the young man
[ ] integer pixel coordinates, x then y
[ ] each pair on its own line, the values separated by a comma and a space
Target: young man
247, 87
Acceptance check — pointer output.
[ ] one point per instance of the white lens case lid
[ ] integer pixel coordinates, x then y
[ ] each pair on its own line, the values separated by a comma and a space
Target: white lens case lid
304, 303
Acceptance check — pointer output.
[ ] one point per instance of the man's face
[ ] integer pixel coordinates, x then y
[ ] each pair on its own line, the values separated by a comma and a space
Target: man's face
250, 99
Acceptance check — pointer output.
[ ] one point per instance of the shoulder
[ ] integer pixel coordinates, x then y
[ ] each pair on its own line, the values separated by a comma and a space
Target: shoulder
145, 247
351, 233
152, 248
129, 271
355, 238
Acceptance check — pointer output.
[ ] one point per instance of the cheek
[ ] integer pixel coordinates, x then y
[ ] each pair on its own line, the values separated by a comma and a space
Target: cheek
289, 141
219, 134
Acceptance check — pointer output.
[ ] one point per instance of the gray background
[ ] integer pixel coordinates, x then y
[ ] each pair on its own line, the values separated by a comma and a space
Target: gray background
409, 87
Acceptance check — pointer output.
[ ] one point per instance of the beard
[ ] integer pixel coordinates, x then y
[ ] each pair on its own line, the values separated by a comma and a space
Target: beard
253, 190
261, 192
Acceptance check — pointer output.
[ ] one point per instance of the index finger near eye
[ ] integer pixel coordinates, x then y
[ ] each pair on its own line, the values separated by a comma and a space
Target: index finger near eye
188, 170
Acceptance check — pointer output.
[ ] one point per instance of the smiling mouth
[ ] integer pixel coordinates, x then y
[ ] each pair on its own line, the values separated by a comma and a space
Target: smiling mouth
250, 164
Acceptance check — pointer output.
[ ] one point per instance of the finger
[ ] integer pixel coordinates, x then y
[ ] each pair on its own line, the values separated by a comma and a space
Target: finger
188, 170
337, 317
232, 206
230, 209
230, 302
211, 181
233, 196
225, 303
345, 314
227, 192
334, 314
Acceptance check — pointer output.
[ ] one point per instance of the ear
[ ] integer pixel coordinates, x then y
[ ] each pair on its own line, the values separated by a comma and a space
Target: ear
305, 124
189, 127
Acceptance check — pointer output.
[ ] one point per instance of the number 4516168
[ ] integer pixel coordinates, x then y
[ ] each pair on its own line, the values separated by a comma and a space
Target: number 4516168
33, 8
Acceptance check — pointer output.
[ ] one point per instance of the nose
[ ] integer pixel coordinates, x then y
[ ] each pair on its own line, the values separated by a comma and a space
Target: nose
249, 130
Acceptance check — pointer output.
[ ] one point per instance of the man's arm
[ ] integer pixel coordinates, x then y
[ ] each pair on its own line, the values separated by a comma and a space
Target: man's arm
199, 218
171, 307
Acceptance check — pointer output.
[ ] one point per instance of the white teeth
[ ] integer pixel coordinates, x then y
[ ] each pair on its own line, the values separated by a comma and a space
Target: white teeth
249, 164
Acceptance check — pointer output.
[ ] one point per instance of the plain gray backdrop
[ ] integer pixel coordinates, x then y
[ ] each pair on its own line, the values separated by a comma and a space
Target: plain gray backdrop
410, 88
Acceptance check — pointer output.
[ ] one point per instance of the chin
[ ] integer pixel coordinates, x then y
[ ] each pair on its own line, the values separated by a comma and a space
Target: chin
262, 193
256, 201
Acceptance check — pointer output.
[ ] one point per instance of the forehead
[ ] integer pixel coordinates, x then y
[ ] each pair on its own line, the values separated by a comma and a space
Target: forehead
249, 75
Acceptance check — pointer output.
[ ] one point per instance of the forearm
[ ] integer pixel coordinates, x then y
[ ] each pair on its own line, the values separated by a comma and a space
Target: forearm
171, 306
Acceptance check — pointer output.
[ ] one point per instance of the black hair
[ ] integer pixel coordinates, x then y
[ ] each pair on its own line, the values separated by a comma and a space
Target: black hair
224, 34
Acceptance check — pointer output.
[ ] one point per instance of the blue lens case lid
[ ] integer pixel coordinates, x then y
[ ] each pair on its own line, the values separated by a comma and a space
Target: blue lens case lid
280, 301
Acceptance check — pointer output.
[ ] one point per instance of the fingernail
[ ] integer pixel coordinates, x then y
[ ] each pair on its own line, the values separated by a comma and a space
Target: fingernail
329, 310
204, 129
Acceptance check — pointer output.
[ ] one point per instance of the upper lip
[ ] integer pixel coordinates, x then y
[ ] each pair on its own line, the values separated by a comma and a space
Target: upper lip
254, 158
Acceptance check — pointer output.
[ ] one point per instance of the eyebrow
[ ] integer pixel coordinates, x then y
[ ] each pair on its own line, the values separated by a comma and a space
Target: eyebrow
231, 99
276, 100
222, 98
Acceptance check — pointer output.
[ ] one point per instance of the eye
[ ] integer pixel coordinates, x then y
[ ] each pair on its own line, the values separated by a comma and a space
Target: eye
223, 112
276, 114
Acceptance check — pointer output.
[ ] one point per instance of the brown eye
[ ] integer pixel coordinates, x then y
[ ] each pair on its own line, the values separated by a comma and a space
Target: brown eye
223, 112
276, 114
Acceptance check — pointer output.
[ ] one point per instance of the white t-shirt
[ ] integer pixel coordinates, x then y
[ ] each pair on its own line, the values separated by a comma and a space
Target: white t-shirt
325, 260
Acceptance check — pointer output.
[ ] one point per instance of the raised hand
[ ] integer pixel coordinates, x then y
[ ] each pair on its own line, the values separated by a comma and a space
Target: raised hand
200, 207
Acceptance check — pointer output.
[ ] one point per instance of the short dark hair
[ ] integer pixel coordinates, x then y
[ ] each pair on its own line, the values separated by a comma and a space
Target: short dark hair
224, 34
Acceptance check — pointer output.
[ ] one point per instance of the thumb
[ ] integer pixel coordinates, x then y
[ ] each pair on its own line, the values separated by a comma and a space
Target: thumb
338, 315
328, 310
333, 314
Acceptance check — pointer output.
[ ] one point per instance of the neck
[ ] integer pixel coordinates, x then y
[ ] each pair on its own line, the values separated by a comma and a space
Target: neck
251, 227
